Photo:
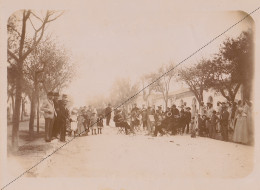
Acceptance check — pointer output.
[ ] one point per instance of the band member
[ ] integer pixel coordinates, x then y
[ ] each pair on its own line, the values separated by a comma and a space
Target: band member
64, 117
158, 122
144, 117
174, 119
135, 117
135, 108
108, 111
150, 120
49, 115
121, 122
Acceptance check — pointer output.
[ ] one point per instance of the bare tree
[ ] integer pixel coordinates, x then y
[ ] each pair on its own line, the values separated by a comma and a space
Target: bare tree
123, 89
19, 49
160, 80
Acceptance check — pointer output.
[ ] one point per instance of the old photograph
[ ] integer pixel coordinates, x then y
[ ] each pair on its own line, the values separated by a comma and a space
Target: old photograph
129, 91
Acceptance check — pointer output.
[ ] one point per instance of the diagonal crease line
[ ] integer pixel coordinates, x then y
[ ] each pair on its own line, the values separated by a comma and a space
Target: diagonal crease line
67, 142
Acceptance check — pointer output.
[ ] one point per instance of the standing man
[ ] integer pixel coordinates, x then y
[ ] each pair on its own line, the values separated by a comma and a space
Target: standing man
49, 114
64, 117
224, 122
56, 125
187, 114
209, 118
174, 119
144, 117
108, 111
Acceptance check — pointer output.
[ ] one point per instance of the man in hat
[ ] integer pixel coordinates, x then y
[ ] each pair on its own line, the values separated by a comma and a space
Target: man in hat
144, 117
64, 117
174, 119
108, 111
150, 120
135, 108
158, 122
56, 125
187, 118
49, 114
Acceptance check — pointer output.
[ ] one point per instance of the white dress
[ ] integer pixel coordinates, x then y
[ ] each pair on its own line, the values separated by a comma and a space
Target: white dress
74, 122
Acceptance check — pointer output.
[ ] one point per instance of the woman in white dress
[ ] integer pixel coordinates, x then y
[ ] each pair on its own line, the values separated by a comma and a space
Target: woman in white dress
241, 128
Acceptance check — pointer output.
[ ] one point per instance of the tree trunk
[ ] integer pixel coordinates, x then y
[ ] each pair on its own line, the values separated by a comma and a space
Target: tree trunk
17, 107
13, 107
22, 114
32, 116
38, 115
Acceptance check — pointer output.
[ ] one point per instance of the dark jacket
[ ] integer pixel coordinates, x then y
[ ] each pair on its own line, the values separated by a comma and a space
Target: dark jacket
108, 111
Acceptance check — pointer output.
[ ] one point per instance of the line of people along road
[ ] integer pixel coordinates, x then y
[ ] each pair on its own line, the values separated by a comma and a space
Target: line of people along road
229, 122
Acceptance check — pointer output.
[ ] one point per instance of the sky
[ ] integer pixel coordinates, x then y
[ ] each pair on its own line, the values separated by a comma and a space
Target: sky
116, 40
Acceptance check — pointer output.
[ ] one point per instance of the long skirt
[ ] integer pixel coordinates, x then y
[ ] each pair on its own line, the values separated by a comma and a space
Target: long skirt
81, 128
241, 131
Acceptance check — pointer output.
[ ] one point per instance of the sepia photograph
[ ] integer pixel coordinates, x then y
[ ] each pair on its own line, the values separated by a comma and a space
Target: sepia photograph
128, 92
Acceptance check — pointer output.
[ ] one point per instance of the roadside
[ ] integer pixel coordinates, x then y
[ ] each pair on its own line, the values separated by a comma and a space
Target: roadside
30, 152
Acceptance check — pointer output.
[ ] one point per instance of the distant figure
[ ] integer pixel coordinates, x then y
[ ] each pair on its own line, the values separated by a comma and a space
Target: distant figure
73, 121
100, 123
192, 128
108, 111
93, 123
213, 124
49, 114
80, 126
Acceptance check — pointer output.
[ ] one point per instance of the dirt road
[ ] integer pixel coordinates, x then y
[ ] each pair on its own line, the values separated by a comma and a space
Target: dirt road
119, 156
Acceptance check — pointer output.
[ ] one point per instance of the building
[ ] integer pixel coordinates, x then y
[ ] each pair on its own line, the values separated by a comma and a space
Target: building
181, 96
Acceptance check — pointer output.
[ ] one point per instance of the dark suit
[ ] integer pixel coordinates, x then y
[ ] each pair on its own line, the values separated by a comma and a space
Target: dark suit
56, 125
174, 121
224, 124
187, 120
108, 111
64, 119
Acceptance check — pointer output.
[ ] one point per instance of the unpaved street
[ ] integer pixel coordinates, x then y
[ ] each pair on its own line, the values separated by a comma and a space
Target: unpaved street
139, 156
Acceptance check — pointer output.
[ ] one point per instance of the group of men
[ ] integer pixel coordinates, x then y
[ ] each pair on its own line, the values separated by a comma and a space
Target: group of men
154, 120
56, 116
205, 122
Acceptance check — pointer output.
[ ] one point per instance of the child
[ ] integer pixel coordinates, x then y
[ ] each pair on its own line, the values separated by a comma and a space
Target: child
73, 122
192, 128
93, 123
100, 123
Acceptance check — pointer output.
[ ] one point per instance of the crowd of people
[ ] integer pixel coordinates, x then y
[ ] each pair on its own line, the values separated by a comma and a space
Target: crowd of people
61, 121
230, 121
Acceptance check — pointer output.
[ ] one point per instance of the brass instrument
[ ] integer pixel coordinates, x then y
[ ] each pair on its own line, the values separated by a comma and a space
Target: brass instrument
169, 114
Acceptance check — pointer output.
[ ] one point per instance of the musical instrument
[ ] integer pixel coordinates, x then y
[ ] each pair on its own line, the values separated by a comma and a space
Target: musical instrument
169, 114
